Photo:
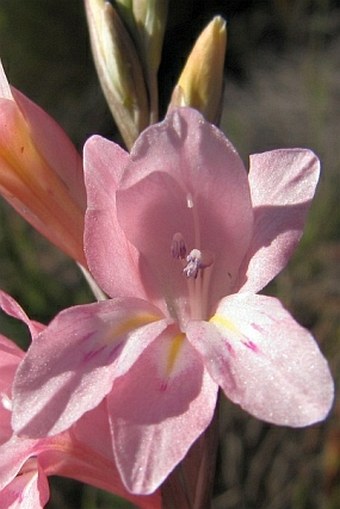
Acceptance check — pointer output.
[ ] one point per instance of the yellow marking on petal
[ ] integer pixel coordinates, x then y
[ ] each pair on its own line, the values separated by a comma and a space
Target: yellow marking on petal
131, 324
176, 344
224, 322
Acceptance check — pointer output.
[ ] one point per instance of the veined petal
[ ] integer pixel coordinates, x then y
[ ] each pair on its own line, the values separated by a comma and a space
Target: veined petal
265, 361
184, 176
111, 258
71, 365
158, 409
282, 185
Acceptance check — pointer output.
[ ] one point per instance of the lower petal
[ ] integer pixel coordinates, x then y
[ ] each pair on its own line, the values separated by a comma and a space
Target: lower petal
71, 365
265, 361
158, 410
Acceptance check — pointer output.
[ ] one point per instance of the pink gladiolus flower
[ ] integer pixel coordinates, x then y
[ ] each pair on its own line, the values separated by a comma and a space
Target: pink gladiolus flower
40, 171
181, 239
83, 452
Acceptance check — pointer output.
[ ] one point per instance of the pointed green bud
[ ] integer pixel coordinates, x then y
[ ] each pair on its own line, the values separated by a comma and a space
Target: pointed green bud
118, 68
150, 17
201, 82
146, 22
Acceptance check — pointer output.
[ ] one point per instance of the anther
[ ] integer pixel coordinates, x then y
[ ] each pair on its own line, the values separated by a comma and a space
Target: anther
178, 247
197, 260
194, 263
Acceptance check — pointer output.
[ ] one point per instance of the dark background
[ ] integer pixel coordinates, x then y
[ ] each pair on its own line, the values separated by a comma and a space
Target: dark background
282, 80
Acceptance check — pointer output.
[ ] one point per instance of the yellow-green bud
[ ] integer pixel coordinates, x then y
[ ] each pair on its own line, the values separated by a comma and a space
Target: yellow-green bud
201, 82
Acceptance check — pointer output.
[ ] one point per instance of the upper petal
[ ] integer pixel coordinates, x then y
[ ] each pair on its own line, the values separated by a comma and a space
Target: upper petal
71, 365
158, 409
185, 176
282, 185
113, 261
265, 361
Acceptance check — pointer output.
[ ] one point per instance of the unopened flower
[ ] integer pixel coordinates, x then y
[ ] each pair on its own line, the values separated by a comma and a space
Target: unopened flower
201, 83
181, 239
41, 171
118, 68
150, 21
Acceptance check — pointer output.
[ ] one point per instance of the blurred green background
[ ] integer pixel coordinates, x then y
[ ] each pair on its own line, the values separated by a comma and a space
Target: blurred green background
282, 90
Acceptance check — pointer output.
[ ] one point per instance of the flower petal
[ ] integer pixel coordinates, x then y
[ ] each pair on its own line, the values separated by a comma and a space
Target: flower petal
282, 185
14, 453
71, 365
158, 409
111, 258
28, 490
85, 453
10, 356
12, 308
185, 176
265, 361
55, 147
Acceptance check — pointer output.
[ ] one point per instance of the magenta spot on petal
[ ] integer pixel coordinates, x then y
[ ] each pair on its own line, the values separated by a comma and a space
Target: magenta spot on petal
229, 348
164, 386
251, 346
86, 337
93, 353
115, 351
258, 328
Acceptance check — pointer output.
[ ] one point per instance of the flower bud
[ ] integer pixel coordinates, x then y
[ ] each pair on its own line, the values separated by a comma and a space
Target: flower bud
150, 16
201, 82
146, 20
118, 68
41, 171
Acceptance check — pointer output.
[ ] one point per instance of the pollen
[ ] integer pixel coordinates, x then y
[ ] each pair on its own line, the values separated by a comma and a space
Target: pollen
197, 260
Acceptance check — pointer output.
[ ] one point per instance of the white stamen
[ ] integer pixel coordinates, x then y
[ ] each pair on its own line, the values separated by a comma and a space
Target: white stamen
194, 259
